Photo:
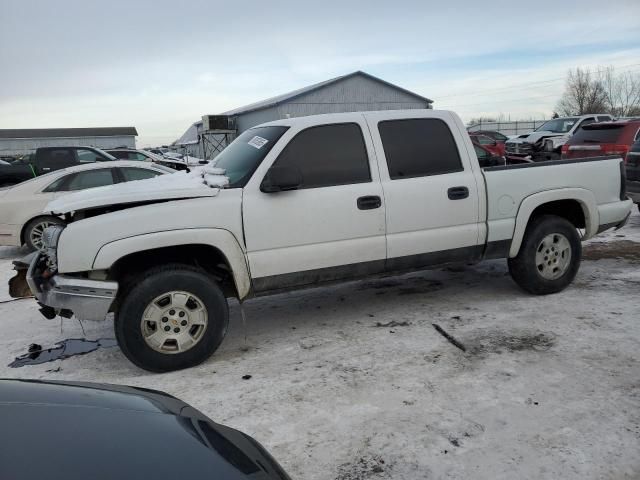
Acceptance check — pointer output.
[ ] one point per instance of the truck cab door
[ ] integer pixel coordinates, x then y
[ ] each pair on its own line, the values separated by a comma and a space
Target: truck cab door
434, 212
50, 159
328, 226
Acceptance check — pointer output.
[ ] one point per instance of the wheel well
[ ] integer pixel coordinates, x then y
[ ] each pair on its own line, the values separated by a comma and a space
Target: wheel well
568, 209
23, 240
205, 257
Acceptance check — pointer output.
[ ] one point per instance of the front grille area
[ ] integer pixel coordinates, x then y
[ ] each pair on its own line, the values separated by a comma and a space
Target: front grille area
518, 148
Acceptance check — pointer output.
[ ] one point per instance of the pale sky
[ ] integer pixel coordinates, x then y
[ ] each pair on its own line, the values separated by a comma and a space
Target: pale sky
160, 65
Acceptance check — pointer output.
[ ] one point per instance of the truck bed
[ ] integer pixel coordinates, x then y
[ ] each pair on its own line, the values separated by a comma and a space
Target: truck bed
507, 186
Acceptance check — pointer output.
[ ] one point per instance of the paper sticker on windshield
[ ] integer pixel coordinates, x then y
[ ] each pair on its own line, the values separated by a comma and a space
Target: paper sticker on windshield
258, 142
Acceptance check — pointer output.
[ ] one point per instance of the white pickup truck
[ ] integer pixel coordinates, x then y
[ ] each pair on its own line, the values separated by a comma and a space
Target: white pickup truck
298, 202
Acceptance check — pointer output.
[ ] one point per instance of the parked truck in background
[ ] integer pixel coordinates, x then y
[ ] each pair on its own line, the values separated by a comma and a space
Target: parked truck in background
48, 159
303, 201
545, 143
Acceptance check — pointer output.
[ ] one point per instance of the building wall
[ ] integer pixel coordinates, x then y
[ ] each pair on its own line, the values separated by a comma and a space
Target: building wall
353, 94
20, 146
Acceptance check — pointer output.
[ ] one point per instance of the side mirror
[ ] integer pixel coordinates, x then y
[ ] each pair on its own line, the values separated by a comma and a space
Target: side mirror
280, 179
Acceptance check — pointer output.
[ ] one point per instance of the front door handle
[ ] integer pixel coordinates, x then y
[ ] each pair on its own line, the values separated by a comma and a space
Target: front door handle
369, 202
458, 193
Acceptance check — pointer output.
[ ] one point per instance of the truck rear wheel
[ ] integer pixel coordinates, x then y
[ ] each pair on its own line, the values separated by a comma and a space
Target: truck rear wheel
549, 257
174, 317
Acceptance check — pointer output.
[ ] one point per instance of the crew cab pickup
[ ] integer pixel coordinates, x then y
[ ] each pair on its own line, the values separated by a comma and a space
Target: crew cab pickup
545, 143
48, 159
302, 201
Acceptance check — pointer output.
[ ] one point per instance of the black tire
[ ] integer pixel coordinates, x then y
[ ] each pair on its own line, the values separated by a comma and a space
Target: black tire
34, 224
523, 268
154, 283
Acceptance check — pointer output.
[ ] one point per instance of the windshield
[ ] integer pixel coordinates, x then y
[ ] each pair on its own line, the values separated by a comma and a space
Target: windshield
241, 158
559, 125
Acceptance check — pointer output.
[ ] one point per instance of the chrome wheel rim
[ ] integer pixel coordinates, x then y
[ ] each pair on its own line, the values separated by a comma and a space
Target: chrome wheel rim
174, 322
553, 256
35, 235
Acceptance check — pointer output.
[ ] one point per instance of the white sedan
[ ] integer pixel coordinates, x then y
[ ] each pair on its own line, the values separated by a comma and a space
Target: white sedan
22, 220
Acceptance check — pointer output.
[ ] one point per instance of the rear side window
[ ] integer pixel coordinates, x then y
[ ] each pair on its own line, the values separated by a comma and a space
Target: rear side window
90, 179
599, 133
328, 155
56, 158
419, 147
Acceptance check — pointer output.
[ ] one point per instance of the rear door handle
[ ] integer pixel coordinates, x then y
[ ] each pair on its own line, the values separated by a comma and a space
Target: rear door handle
458, 193
369, 202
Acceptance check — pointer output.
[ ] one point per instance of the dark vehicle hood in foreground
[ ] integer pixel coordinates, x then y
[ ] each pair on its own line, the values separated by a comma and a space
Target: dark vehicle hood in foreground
68, 430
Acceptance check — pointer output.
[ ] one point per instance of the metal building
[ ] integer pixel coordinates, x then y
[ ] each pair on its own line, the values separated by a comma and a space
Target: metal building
21, 141
355, 92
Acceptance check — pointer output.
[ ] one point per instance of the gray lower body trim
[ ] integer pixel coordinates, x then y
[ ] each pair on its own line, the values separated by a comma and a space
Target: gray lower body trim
312, 278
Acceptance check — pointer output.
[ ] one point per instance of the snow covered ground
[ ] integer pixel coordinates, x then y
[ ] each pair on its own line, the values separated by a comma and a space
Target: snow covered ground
353, 382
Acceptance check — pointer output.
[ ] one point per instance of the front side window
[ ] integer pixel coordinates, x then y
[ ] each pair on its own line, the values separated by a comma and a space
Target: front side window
241, 158
500, 137
419, 147
120, 154
328, 155
88, 156
90, 179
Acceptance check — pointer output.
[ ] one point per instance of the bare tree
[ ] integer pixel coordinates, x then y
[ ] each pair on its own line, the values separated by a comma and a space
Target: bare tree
622, 92
583, 94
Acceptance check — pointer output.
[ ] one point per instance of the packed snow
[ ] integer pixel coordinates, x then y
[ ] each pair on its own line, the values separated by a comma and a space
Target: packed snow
353, 382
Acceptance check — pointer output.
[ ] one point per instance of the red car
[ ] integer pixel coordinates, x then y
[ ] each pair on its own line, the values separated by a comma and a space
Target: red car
606, 138
494, 146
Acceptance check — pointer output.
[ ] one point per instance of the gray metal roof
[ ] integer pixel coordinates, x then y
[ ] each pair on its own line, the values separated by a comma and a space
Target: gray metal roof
67, 132
273, 101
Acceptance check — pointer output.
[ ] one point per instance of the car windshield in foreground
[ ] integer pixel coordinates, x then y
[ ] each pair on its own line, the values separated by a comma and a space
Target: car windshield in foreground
241, 158
559, 125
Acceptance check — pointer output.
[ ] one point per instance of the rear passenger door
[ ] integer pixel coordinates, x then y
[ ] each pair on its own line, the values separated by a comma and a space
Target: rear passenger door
333, 225
433, 213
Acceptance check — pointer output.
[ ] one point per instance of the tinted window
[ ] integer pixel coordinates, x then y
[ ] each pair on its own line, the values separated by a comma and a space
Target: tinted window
498, 136
241, 158
88, 156
419, 147
90, 179
328, 155
119, 154
56, 158
598, 134
483, 140
481, 153
587, 121
131, 174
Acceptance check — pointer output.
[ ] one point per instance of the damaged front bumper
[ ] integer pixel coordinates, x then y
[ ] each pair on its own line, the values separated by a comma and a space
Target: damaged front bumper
62, 294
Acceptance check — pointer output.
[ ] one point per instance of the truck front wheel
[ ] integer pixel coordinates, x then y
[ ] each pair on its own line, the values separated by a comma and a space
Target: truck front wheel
174, 317
549, 257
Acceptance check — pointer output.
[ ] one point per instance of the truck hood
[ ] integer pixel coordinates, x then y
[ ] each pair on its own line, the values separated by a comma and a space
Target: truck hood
534, 137
200, 182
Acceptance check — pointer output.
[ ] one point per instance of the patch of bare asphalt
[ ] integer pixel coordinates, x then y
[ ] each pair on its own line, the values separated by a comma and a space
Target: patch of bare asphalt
498, 342
622, 249
367, 466
405, 286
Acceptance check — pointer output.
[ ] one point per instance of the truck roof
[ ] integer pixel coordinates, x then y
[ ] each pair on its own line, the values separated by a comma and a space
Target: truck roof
333, 117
